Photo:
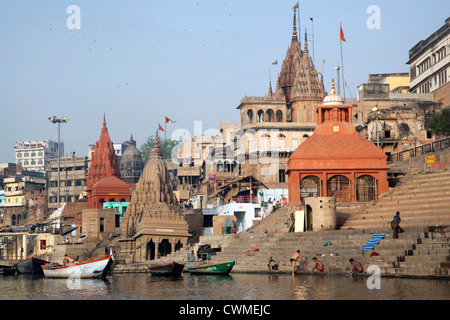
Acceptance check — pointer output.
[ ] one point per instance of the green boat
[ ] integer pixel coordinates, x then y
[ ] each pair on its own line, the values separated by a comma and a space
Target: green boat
219, 268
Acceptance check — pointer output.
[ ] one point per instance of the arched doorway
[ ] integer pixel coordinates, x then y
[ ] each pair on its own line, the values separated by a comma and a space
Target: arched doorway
309, 218
150, 255
310, 187
164, 248
270, 115
279, 116
339, 186
366, 188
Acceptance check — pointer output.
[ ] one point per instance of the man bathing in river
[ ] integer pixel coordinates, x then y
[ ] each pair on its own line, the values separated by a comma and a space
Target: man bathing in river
317, 265
356, 268
294, 259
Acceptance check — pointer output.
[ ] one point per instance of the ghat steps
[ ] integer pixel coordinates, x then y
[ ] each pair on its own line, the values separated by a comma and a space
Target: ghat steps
415, 253
422, 200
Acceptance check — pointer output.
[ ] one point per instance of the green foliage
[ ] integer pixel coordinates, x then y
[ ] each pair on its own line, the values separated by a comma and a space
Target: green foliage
166, 147
439, 124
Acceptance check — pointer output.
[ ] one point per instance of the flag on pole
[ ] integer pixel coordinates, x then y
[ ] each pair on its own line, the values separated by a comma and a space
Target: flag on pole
295, 7
342, 34
167, 120
275, 62
160, 128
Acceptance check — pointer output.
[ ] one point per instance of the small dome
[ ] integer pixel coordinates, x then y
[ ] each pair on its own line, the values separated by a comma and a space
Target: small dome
333, 99
131, 164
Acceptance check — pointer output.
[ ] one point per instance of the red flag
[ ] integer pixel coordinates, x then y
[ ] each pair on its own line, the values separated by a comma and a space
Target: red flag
160, 128
167, 120
342, 34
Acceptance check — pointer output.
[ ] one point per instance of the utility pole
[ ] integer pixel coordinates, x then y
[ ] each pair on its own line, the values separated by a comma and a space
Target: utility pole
58, 121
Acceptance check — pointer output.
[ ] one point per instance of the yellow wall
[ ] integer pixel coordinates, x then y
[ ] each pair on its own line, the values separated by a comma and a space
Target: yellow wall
397, 81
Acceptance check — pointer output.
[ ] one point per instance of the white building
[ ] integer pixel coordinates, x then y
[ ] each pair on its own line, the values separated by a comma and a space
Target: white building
34, 155
429, 61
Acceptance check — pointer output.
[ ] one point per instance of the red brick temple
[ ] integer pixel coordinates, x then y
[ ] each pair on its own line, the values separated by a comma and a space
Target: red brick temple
335, 160
103, 182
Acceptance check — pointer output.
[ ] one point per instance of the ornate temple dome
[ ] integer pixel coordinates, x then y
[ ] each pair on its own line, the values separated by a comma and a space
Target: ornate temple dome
333, 99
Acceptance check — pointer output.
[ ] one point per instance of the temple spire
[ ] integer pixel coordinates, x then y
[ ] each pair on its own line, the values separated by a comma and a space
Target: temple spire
294, 29
306, 41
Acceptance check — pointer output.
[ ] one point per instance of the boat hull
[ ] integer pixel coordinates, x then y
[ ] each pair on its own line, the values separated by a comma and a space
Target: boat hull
167, 269
219, 268
86, 270
30, 265
7, 269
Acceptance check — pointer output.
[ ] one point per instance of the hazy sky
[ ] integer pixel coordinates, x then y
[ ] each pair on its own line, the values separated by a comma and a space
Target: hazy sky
138, 61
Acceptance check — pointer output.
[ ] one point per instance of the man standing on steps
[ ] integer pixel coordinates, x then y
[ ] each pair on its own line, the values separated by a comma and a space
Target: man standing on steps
395, 224
294, 259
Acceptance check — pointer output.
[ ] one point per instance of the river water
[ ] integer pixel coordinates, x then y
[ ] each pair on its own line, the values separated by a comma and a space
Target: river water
143, 286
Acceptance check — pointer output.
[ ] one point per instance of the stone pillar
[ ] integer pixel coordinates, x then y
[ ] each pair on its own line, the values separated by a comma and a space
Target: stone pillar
157, 248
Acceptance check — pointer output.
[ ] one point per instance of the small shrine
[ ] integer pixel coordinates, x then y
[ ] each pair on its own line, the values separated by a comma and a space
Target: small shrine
336, 161
152, 227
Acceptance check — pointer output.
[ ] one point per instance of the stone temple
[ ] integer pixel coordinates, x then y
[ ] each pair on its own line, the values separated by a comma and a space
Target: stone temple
152, 227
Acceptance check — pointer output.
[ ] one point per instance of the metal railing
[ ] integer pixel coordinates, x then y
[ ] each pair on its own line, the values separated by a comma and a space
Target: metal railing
418, 151
244, 199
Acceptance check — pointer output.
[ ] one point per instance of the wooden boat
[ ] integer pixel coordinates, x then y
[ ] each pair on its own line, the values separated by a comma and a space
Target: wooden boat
30, 265
166, 269
90, 269
219, 268
5, 269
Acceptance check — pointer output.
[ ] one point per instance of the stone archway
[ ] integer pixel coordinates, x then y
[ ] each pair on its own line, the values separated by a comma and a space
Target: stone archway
164, 248
366, 188
310, 187
339, 186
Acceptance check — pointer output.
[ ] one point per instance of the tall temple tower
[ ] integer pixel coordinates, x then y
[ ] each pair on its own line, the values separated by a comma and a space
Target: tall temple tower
103, 182
283, 119
299, 81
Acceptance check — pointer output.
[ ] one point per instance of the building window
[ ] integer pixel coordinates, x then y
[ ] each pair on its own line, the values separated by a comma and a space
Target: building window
282, 176
279, 116
249, 116
260, 116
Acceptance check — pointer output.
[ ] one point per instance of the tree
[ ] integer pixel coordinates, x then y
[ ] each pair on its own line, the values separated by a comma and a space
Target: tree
166, 147
439, 124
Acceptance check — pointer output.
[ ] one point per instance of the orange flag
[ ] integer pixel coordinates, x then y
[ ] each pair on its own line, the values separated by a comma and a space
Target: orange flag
167, 120
160, 128
342, 34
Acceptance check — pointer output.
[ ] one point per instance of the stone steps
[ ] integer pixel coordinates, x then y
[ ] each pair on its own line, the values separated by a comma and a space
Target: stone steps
421, 199
427, 258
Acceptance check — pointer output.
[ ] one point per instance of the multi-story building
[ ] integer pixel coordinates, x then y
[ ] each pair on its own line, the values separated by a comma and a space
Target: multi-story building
34, 155
72, 185
393, 119
25, 200
429, 62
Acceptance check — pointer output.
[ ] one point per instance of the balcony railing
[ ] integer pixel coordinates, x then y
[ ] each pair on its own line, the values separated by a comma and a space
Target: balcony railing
244, 199
418, 151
